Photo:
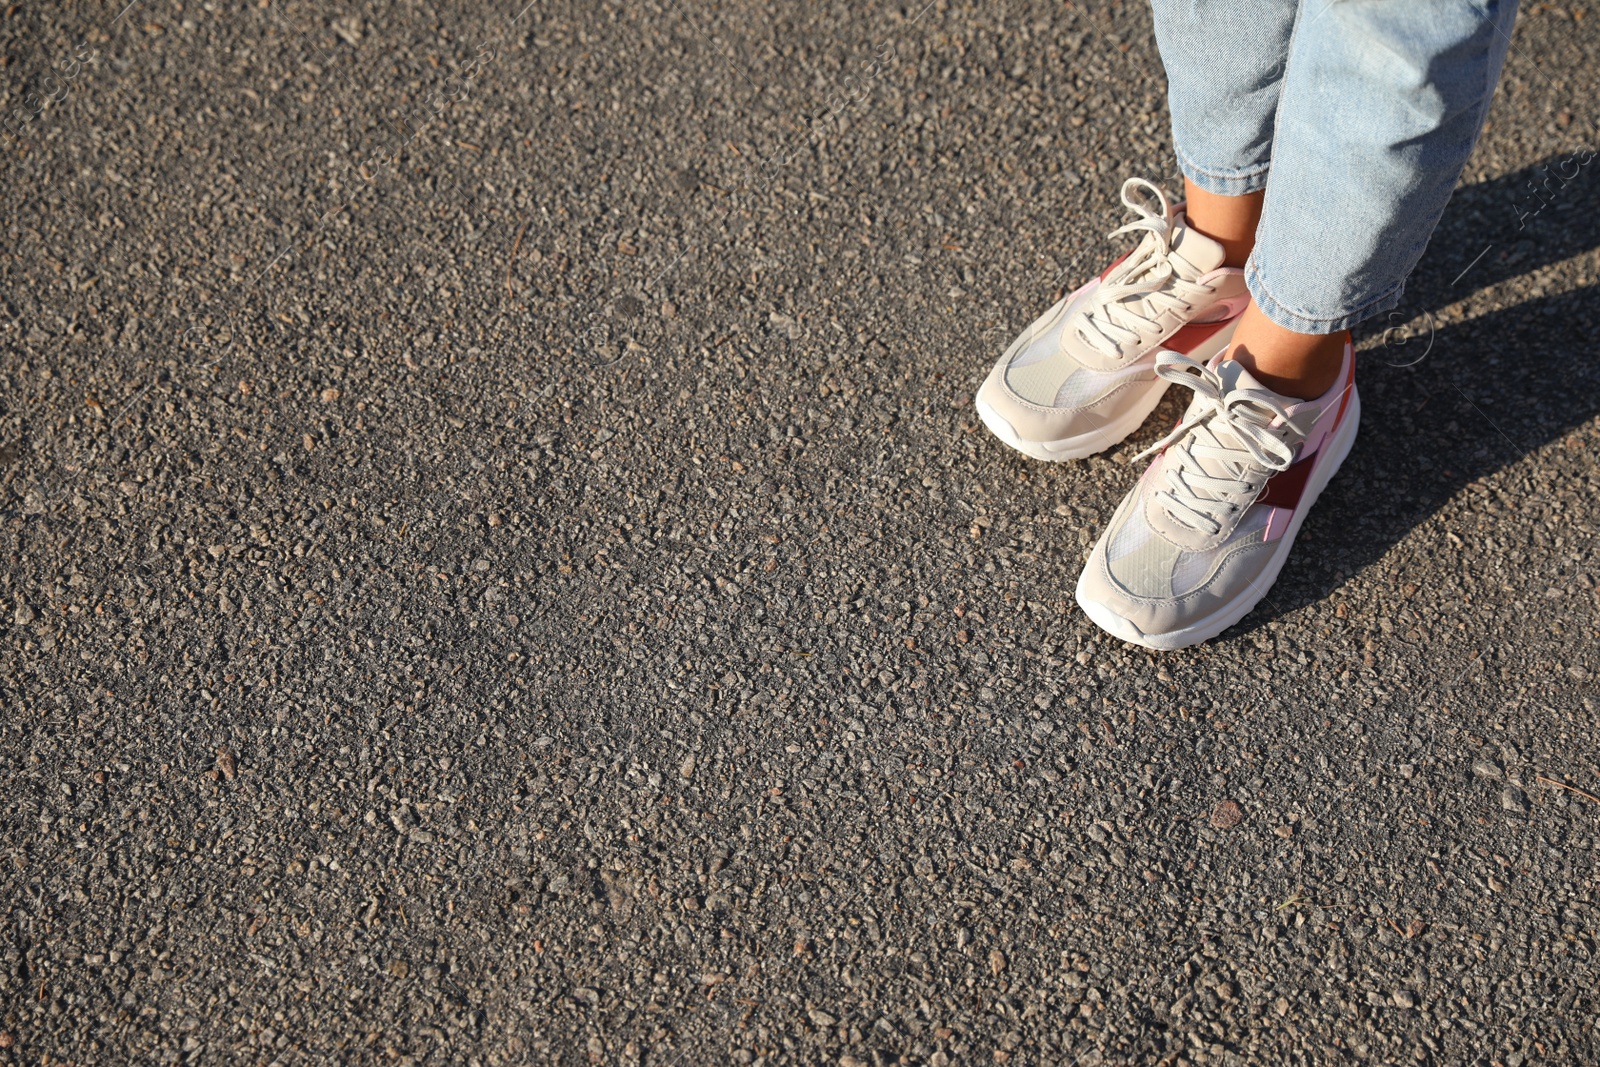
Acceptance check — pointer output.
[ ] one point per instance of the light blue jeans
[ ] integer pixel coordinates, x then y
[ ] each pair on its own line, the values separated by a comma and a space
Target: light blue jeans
1363, 112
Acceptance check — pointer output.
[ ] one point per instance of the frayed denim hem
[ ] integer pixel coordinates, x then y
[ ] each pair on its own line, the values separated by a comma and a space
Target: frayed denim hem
1220, 184
1302, 321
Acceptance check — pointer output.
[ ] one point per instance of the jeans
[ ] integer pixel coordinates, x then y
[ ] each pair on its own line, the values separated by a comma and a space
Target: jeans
1363, 112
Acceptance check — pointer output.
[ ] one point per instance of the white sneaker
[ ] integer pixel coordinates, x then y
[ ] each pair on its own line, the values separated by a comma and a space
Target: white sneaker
1201, 538
1083, 376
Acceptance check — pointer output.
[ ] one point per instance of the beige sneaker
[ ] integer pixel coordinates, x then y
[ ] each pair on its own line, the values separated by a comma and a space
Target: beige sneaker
1083, 376
1203, 535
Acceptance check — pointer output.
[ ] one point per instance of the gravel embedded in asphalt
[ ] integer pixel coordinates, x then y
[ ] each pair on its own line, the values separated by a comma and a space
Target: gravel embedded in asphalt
502, 566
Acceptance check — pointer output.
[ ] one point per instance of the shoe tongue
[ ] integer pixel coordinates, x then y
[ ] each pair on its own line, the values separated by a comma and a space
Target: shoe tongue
1235, 375
1193, 253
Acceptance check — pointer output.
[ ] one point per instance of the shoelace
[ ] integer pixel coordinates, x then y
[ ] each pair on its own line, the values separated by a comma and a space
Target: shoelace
1107, 322
1192, 497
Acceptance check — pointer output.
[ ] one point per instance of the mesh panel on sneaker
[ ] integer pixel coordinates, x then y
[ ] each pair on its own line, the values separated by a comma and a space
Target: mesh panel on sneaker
1128, 536
1039, 382
1048, 342
1084, 386
1193, 568
1140, 559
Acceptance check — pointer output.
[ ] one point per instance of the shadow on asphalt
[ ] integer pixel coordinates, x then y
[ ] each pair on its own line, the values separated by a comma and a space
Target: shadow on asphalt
1444, 406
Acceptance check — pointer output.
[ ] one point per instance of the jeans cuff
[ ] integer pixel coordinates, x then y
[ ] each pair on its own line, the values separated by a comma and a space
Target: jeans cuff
1302, 321
1224, 183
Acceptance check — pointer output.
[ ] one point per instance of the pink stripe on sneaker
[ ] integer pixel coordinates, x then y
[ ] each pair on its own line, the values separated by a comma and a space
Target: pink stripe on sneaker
1277, 524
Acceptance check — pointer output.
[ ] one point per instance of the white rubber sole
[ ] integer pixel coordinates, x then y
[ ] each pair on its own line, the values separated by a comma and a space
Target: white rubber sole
1114, 431
1338, 448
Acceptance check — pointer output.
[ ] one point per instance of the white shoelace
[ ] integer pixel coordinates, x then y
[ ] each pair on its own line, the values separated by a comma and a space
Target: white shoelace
1231, 428
1109, 323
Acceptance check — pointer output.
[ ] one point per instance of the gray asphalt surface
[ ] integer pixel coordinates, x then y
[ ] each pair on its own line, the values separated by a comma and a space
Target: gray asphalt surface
501, 566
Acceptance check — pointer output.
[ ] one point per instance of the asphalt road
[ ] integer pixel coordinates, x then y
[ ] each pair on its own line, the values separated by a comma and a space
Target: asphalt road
501, 566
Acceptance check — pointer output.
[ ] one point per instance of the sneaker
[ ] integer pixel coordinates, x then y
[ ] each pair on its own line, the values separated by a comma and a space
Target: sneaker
1083, 376
1203, 535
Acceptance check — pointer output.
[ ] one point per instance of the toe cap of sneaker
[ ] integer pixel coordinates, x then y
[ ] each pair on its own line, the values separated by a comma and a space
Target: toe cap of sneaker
1020, 422
1160, 622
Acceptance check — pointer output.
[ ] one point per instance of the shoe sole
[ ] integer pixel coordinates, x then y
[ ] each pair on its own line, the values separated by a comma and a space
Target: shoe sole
1101, 438
1246, 601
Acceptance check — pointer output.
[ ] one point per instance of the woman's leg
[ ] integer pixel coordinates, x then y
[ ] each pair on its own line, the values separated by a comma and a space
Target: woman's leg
1225, 64
1381, 105
1289, 362
1082, 376
1229, 220
1225, 61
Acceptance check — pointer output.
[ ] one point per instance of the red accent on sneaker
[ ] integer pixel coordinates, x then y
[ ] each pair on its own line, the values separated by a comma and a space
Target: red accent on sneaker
1284, 488
1190, 337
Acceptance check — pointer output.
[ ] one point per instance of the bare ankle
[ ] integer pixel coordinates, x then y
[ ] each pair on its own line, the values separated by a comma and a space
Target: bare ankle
1302, 385
1299, 365
1228, 220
